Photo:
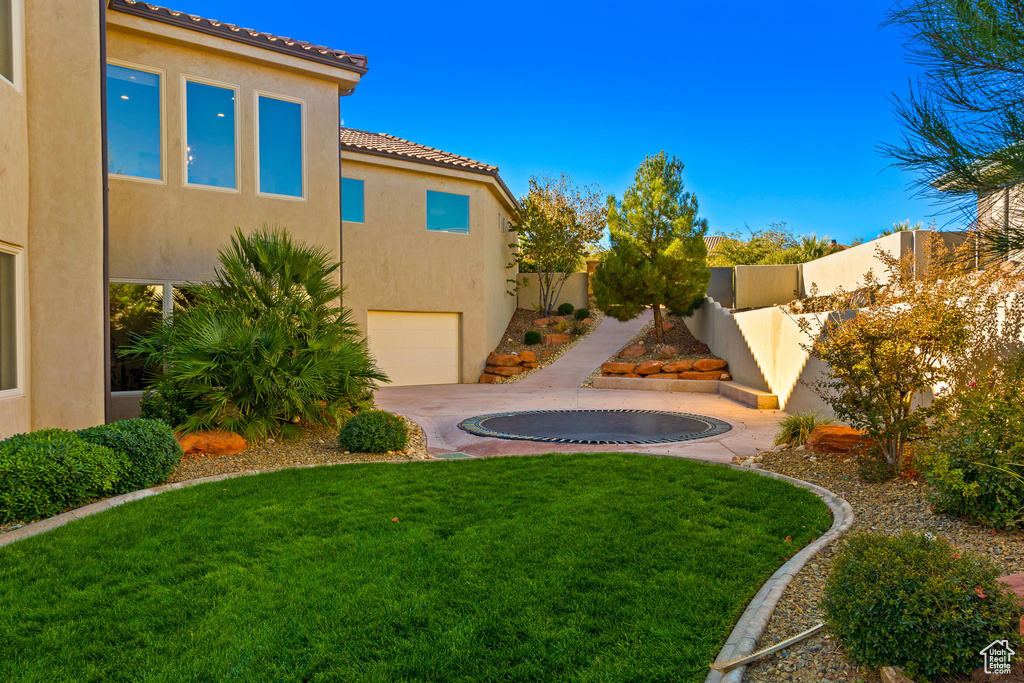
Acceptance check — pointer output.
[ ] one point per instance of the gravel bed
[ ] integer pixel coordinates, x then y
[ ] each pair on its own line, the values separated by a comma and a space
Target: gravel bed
522, 321
889, 508
689, 347
313, 447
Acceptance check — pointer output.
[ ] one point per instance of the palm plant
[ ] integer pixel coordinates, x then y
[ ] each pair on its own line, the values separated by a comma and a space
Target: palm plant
266, 344
901, 226
813, 248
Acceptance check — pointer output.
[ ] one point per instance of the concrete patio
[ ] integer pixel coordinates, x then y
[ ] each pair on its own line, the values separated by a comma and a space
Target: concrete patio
440, 408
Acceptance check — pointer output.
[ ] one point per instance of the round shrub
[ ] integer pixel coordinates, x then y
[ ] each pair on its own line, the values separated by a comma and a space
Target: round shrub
915, 602
532, 337
167, 403
150, 447
974, 457
46, 472
373, 431
565, 309
581, 313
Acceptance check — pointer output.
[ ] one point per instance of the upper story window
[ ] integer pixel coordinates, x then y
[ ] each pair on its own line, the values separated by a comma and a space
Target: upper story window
10, 41
447, 212
134, 142
10, 321
280, 136
352, 200
211, 140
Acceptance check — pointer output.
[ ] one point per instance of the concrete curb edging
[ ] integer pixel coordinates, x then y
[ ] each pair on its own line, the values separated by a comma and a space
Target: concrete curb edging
752, 623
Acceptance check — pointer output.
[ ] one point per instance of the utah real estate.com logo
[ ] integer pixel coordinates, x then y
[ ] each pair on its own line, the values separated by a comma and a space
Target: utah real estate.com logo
997, 657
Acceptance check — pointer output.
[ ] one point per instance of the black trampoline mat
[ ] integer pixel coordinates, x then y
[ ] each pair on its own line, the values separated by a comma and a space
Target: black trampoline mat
595, 426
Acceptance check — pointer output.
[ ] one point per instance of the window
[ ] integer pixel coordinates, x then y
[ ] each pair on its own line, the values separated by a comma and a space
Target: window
211, 147
279, 146
10, 322
10, 41
134, 309
351, 200
447, 212
134, 145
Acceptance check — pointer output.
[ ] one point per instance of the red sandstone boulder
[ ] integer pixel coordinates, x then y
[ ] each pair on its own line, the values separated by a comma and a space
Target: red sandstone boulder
629, 374
664, 375
677, 366
503, 370
617, 368
1016, 584
216, 442
504, 359
488, 379
587, 321
530, 366
708, 364
553, 339
726, 377
633, 351
541, 322
665, 327
837, 439
525, 356
713, 374
648, 367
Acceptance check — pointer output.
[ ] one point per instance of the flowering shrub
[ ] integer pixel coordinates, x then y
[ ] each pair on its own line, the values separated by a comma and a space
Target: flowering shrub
974, 456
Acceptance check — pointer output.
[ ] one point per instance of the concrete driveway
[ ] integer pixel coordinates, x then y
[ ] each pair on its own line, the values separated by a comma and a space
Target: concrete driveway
440, 408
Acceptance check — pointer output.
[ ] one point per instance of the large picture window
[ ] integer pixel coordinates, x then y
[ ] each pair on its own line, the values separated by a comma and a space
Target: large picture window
279, 146
211, 145
352, 200
10, 342
447, 212
134, 144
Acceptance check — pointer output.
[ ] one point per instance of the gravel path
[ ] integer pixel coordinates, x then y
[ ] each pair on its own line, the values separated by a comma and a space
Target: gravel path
888, 508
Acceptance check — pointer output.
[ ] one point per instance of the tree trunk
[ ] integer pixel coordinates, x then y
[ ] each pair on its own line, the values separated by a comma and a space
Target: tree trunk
659, 333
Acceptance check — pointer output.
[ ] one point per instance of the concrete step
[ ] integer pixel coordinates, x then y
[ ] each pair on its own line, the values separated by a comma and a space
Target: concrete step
752, 398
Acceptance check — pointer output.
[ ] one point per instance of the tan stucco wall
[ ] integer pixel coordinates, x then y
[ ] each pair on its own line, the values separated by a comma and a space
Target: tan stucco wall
575, 291
171, 232
758, 286
393, 263
65, 223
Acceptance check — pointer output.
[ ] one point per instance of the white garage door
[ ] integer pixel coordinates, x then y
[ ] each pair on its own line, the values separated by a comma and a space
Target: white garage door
415, 348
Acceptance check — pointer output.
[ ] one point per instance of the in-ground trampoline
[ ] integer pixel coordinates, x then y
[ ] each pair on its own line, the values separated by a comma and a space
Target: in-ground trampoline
595, 426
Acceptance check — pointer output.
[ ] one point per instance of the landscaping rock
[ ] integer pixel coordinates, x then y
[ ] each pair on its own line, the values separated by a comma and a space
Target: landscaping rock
633, 351
542, 322
665, 327
503, 370
664, 375
725, 377
893, 674
837, 439
629, 374
708, 364
617, 368
531, 366
587, 321
525, 356
503, 359
1016, 584
678, 366
488, 379
649, 367
216, 442
554, 339
700, 375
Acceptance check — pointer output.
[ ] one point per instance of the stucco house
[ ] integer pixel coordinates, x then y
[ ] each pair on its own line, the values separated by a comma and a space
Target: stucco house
135, 138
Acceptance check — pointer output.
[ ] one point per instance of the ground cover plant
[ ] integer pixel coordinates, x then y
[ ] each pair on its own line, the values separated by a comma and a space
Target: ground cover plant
586, 567
795, 429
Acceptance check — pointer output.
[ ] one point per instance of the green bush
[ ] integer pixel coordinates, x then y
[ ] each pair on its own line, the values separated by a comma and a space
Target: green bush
974, 455
373, 431
566, 308
581, 313
795, 429
532, 337
266, 345
915, 602
168, 403
149, 446
46, 472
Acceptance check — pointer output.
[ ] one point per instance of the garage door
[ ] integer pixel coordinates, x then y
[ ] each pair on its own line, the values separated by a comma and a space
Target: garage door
415, 348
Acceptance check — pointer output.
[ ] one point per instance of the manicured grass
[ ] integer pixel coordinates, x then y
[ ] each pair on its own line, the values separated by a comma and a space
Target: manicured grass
589, 567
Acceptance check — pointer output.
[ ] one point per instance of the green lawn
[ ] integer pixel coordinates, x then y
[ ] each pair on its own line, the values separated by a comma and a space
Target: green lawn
588, 567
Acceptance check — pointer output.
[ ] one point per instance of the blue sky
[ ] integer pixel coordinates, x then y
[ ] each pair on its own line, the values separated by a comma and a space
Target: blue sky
775, 108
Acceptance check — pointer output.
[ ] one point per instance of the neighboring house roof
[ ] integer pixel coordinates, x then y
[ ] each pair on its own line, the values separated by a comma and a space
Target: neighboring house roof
296, 48
384, 145
713, 241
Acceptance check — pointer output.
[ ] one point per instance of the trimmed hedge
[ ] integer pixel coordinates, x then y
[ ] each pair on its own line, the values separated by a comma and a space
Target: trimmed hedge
373, 431
915, 602
581, 314
566, 308
150, 447
46, 472
532, 337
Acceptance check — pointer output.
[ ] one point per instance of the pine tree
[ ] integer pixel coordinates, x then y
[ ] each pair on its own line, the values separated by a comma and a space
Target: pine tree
658, 256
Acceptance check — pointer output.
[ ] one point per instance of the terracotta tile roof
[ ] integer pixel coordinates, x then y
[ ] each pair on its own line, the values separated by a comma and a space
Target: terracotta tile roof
712, 242
297, 48
382, 144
